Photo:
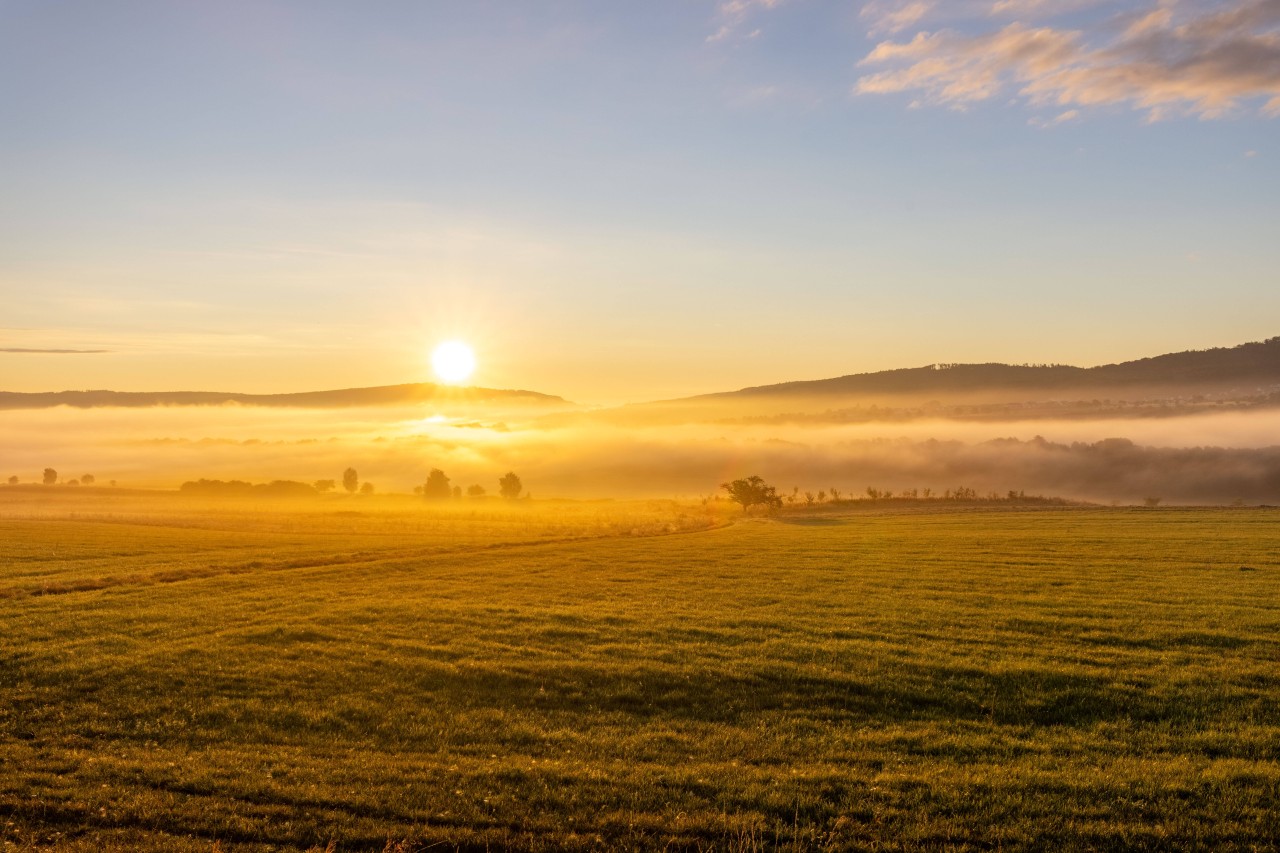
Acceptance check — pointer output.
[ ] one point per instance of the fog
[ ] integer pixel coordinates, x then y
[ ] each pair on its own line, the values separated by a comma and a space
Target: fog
1196, 458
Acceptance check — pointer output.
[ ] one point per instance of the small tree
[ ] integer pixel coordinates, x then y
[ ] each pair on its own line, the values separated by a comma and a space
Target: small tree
13, 481
350, 480
437, 486
88, 479
809, 498
509, 486
457, 493
323, 486
366, 488
751, 492
50, 476
475, 491
835, 496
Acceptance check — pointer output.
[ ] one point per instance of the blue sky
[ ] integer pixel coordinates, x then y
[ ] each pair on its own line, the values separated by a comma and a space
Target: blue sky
625, 201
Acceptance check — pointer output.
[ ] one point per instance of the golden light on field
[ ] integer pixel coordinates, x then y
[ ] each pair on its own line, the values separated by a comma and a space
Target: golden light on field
453, 361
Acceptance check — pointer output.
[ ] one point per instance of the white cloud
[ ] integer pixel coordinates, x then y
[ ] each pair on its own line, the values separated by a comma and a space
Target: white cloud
1173, 57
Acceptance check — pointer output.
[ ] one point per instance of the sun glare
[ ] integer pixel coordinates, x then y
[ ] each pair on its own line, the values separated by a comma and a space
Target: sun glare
453, 361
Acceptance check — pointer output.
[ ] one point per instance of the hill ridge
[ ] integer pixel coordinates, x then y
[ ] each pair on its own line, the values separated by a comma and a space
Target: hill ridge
1248, 361
379, 395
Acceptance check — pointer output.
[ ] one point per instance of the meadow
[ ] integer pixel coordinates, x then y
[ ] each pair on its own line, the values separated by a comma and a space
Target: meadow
369, 674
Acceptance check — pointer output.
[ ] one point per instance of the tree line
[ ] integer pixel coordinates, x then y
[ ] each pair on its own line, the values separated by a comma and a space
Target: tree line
754, 491
437, 487
50, 477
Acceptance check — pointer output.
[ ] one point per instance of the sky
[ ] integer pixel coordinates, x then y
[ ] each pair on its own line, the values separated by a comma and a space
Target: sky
619, 202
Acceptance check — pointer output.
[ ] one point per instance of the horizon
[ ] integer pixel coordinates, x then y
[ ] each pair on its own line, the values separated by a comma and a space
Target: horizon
446, 385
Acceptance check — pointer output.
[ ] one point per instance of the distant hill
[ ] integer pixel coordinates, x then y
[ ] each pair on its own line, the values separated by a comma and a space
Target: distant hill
1253, 367
385, 395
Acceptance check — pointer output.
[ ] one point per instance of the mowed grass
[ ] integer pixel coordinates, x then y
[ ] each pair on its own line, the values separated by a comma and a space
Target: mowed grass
1053, 678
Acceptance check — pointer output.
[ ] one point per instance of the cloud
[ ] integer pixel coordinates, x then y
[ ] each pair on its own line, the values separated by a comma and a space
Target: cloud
1170, 58
1060, 118
47, 351
732, 14
885, 17
893, 17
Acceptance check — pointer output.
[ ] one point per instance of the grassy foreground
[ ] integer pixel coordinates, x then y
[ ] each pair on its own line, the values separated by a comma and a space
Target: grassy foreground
175, 677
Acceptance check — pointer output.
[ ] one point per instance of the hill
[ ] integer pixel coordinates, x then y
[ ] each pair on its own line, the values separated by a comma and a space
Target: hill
384, 395
1251, 367
1240, 378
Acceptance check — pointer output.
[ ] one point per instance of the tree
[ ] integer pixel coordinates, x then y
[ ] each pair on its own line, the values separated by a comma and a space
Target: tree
13, 481
350, 480
50, 476
475, 491
437, 486
509, 486
457, 493
87, 479
323, 486
366, 488
751, 492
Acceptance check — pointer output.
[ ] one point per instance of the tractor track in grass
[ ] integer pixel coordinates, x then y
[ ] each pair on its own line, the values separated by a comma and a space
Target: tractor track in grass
163, 576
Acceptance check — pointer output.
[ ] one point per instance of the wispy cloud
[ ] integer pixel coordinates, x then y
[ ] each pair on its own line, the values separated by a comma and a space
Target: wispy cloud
1166, 58
732, 16
1060, 118
58, 351
886, 17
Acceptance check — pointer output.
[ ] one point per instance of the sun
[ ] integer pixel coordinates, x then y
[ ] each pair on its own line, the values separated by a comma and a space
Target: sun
453, 361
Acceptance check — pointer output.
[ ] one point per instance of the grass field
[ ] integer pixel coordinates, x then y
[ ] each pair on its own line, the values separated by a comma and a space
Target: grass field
183, 676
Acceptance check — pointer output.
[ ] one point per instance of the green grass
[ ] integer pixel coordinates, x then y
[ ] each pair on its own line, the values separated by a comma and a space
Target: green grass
937, 679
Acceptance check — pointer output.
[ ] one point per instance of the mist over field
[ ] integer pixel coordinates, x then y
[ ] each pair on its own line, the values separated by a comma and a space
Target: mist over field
1210, 458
